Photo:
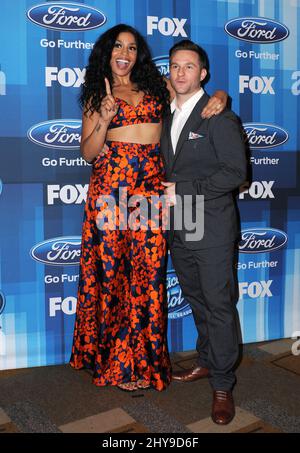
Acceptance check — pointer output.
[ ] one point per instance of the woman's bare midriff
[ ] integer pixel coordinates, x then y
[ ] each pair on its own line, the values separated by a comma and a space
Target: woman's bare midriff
136, 133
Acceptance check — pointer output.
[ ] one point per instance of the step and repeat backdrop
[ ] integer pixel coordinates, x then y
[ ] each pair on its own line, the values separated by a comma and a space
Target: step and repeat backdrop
253, 46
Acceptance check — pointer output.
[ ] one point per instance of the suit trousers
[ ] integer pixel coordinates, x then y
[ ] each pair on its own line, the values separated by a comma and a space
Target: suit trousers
206, 277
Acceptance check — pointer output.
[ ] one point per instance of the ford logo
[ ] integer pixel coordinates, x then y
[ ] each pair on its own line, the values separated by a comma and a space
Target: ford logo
178, 307
261, 240
65, 16
56, 134
257, 30
261, 135
162, 63
61, 251
2, 302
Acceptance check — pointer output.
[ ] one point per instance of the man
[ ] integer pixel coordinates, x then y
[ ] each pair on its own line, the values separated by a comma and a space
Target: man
205, 157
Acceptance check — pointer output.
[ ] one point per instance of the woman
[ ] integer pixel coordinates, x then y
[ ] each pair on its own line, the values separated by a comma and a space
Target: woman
120, 329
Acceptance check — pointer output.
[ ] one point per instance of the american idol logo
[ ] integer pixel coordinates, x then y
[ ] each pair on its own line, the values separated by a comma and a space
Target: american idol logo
162, 63
2, 302
261, 135
56, 134
257, 30
261, 240
61, 251
178, 307
65, 16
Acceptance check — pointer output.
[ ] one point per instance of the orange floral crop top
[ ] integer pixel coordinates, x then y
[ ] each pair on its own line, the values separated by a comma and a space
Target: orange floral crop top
148, 110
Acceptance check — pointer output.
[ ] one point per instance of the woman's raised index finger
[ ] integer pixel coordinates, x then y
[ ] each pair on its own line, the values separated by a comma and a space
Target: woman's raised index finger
107, 86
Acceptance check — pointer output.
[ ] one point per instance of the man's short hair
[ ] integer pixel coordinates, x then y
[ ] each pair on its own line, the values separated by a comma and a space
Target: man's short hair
186, 44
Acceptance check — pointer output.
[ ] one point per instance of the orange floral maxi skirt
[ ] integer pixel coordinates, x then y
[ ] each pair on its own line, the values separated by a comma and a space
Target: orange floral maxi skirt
121, 318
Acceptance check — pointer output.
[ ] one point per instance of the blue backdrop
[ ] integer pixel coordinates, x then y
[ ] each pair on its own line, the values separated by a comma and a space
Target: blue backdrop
253, 47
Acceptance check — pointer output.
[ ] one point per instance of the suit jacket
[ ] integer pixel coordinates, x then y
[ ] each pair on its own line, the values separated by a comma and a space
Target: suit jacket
209, 160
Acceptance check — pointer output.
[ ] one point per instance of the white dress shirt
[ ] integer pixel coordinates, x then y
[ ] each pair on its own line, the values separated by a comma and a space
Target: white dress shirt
181, 115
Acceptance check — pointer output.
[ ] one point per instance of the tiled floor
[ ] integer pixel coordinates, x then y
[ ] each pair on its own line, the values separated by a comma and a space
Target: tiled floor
59, 399
112, 420
244, 421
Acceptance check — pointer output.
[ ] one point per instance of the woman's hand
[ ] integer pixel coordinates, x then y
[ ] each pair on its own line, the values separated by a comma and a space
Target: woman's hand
108, 107
104, 150
170, 192
215, 105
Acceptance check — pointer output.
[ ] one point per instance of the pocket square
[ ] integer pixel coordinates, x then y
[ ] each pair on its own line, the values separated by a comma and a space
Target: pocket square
193, 136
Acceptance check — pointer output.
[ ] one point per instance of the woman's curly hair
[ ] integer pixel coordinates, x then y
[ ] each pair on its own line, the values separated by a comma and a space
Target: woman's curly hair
144, 75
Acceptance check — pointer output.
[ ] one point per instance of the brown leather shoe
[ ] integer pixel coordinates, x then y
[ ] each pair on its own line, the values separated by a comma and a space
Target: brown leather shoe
190, 375
223, 410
